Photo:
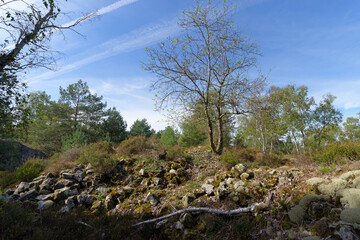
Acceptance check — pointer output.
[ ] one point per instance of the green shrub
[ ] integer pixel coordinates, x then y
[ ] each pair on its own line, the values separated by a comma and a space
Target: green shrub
235, 155
100, 155
133, 145
76, 139
63, 160
337, 152
174, 152
30, 169
7, 178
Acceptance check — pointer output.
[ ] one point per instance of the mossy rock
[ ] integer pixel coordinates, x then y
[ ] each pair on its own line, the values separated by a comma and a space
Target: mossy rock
308, 199
350, 175
297, 214
331, 188
350, 215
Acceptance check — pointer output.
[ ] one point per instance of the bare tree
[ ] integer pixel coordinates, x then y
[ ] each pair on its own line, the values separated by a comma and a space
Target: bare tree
209, 64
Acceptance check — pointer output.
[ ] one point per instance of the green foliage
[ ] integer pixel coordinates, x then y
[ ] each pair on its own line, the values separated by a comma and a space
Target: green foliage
114, 126
76, 139
141, 128
174, 152
192, 135
337, 152
133, 145
235, 155
169, 137
351, 129
100, 155
30, 169
7, 178
328, 168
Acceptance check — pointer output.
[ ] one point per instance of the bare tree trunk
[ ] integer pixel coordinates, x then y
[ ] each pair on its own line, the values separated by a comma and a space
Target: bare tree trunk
210, 129
295, 141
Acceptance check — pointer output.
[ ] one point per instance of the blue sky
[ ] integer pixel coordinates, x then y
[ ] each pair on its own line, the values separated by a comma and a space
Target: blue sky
307, 42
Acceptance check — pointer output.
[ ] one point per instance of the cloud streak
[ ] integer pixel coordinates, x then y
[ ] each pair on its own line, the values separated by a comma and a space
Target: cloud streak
126, 43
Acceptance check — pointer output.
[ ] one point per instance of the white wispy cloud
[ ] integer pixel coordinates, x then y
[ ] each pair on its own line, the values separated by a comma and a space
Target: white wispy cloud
134, 40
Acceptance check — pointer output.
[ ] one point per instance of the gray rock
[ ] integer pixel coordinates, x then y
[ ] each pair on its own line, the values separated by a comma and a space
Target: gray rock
4, 198
41, 178
65, 209
59, 185
66, 175
43, 205
35, 185
44, 197
312, 238
79, 175
61, 193
151, 199
179, 226
47, 183
308, 199
209, 189
85, 199
297, 214
70, 202
347, 233
238, 184
156, 181
10, 191
109, 202
31, 194
244, 176
351, 215
22, 187
68, 182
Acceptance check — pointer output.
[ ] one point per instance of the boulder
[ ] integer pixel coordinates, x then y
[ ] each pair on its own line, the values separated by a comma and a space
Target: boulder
297, 214
22, 187
308, 199
31, 194
85, 199
208, 188
43, 205
350, 197
44, 197
79, 175
351, 215
238, 184
66, 175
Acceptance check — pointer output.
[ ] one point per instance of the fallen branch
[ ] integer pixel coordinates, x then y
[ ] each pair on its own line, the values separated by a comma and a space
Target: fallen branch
250, 208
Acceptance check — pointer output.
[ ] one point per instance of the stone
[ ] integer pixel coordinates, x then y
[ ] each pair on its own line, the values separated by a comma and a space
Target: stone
79, 175
350, 215
4, 199
156, 181
150, 198
238, 184
332, 188
347, 233
41, 178
85, 199
66, 175
244, 176
35, 185
59, 185
44, 197
297, 214
350, 197
31, 194
61, 193
43, 205
173, 172
68, 182
312, 238
10, 191
237, 170
23, 186
179, 226
49, 175
142, 173
185, 201
229, 181
109, 202
209, 189
64, 209
308, 199
98, 205
144, 182
47, 183
70, 202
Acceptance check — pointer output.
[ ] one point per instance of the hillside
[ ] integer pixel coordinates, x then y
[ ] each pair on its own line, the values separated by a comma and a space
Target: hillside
204, 198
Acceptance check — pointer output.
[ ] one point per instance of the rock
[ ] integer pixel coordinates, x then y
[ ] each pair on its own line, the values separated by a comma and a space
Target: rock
61, 193
306, 200
238, 169
179, 226
23, 186
321, 228
350, 197
297, 214
347, 233
70, 202
173, 172
47, 183
144, 182
44, 197
109, 202
350, 215
85, 199
79, 175
4, 199
35, 185
209, 189
65, 209
39, 178
97, 206
10, 191
331, 188
244, 176
185, 201
66, 175
43, 205
49, 175
31, 194
151, 199
156, 181
229, 181
59, 185
238, 184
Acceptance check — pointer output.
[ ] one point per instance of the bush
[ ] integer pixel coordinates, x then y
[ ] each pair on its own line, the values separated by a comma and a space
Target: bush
235, 155
337, 152
30, 169
175, 152
100, 155
133, 145
7, 178
63, 160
